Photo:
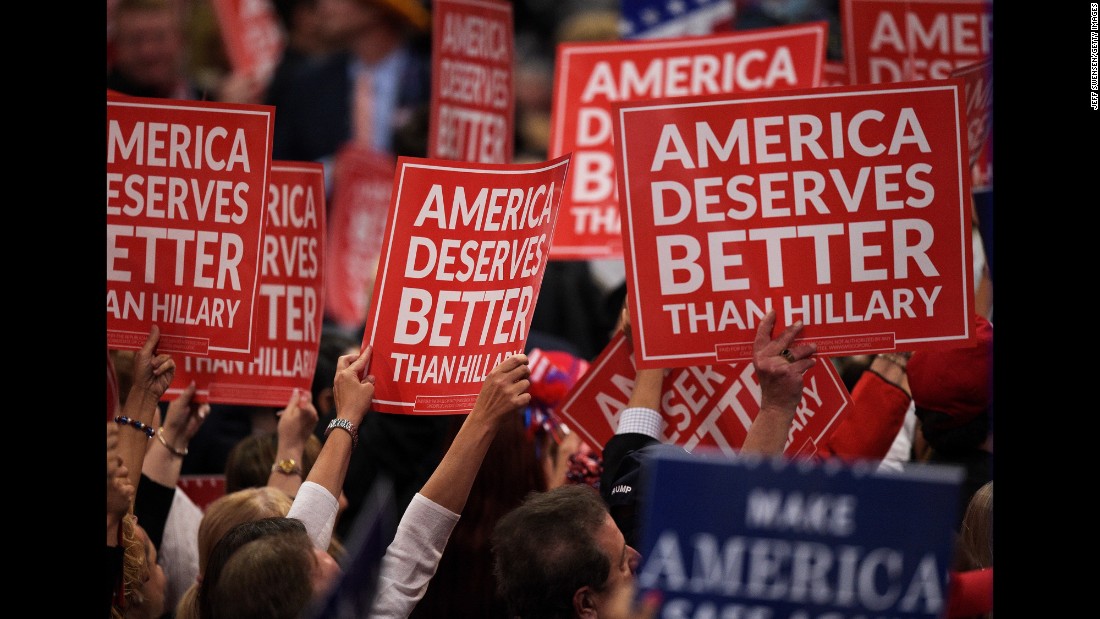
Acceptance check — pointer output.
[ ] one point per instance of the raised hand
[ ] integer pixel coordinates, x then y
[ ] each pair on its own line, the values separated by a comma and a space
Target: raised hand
780, 366
352, 391
183, 419
296, 424
153, 372
504, 390
297, 421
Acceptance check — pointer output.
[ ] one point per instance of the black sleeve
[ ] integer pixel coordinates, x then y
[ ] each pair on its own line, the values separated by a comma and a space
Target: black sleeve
618, 447
151, 506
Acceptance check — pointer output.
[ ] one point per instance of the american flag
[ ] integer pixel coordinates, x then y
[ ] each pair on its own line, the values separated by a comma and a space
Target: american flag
652, 19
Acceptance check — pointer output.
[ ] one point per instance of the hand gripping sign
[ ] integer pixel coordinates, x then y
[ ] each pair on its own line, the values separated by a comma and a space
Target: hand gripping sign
186, 183
473, 95
702, 406
590, 77
462, 262
291, 307
846, 208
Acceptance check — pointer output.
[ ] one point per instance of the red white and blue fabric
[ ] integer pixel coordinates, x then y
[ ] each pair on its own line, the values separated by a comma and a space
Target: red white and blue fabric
651, 19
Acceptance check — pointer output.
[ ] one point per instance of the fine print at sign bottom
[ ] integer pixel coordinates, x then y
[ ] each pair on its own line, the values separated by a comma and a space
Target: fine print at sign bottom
166, 343
867, 343
444, 404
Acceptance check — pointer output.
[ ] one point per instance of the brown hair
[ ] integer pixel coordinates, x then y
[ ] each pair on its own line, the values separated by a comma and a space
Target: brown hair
266, 578
222, 515
248, 464
464, 586
545, 549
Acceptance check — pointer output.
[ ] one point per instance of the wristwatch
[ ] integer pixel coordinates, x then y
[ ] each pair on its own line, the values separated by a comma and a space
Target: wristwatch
287, 467
344, 424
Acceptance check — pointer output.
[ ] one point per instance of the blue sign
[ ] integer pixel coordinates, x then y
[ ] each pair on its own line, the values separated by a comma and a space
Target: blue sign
758, 538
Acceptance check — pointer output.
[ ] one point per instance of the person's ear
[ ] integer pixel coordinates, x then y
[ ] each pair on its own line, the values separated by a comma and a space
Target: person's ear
584, 603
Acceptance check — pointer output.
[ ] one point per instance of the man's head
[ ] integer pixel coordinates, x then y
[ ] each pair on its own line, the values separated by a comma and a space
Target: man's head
559, 554
272, 555
149, 46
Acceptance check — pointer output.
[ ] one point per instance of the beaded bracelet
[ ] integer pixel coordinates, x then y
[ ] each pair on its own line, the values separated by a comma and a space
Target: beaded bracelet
123, 419
177, 452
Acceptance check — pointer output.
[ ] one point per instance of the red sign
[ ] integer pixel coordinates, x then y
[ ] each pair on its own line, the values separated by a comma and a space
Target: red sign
473, 97
846, 208
978, 86
836, 74
589, 77
981, 172
909, 40
292, 293
252, 35
185, 221
362, 186
979, 118
202, 489
708, 406
461, 266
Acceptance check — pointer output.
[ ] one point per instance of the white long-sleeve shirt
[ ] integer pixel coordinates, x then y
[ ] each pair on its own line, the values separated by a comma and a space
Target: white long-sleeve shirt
412, 558
316, 508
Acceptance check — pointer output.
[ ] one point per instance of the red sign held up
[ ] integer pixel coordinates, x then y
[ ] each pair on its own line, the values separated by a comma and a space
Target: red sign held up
253, 37
362, 188
290, 311
590, 77
702, 406
473, 96
185, 220
462, 262
909, 40
847, 208
979, 121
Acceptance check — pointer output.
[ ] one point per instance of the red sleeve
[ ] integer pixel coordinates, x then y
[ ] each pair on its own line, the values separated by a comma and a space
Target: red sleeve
969, 593
878, 412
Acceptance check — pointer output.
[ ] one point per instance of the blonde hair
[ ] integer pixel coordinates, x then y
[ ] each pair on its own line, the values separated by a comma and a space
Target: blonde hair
222, 515
135, 568
976, 536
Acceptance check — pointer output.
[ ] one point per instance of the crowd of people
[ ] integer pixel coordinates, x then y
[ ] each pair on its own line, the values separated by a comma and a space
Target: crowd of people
268, 548
468, 491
